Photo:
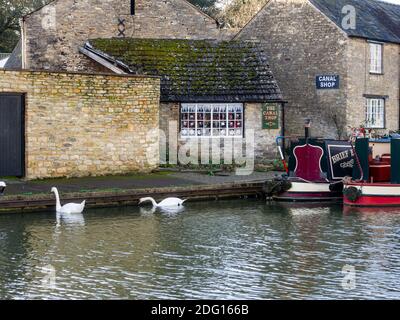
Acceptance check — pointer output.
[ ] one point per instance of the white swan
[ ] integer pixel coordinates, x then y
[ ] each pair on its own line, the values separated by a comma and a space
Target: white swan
169, 202
68, 208
2, 187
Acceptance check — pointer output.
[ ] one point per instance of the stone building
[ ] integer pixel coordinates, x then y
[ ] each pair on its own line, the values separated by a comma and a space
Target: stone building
212, 89
52, 35
336, 61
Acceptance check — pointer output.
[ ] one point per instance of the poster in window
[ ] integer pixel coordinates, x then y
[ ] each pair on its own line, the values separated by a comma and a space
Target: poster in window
270, 116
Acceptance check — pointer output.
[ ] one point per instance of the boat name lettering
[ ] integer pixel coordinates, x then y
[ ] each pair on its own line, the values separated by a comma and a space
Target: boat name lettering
342, 155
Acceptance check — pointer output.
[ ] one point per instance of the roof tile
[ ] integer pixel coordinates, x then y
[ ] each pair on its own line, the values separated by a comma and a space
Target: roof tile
197, 70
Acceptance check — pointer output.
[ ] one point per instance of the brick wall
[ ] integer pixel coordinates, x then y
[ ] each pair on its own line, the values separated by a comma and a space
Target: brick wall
302, 43
82, 124
55, 33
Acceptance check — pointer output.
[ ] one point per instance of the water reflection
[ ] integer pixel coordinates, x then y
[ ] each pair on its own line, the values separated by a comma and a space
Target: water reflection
76, 219
221, 250
163, 210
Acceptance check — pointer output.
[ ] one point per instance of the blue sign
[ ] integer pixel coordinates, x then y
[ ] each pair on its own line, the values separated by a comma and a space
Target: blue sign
328, 82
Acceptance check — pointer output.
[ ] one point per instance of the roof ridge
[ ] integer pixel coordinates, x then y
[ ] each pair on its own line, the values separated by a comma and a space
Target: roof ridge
389, 3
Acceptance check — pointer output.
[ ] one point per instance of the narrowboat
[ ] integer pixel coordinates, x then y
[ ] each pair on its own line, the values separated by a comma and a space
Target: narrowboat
315, 171
375, 181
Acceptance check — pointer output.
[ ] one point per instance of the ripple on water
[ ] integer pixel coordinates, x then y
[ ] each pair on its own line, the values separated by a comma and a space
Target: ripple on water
223, 250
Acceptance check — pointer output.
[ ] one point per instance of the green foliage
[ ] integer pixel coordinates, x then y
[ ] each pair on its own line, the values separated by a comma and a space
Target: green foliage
238, 12
10, 13
278, 165
205, 5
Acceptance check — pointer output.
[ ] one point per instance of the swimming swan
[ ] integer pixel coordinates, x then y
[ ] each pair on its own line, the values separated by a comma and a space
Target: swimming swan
69, 207
2, 187
169, 202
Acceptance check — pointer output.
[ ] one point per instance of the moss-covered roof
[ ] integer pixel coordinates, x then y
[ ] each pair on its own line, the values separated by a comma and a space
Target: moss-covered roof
196, 70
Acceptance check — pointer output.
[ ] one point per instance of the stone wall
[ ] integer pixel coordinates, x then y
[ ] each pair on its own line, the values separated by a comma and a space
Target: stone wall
361, 82
87, 124
264, 140
302, 43
54, 34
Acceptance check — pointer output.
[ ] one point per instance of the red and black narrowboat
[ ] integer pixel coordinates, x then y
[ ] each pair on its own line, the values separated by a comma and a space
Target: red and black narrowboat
315, 171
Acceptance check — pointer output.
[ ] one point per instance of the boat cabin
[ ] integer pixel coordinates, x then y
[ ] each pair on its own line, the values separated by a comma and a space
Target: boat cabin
379, 160
320, 160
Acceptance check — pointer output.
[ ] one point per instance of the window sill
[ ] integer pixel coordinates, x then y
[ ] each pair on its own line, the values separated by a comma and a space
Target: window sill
376, 73
202, 138
369, 128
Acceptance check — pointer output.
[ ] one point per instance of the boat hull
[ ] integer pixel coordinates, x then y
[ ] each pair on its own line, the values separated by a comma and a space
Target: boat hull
372, 195
309, 192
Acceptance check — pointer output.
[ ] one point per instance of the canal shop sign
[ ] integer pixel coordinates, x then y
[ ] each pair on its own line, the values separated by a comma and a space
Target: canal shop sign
270, 116
327, 82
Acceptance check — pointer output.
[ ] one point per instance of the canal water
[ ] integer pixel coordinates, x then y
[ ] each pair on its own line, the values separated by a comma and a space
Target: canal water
217, 250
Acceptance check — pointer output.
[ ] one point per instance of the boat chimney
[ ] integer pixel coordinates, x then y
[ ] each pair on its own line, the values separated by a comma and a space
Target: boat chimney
307, 126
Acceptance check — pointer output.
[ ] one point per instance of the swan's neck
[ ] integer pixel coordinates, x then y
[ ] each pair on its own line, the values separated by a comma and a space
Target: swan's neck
152, 201
58, 204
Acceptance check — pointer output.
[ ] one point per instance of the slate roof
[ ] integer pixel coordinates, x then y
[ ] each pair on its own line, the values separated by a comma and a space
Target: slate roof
196, 70
15, 59
375, 20
3, 62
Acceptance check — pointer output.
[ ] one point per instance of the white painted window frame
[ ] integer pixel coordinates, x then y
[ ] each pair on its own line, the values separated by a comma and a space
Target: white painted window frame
376, 58
375, 113
238, 107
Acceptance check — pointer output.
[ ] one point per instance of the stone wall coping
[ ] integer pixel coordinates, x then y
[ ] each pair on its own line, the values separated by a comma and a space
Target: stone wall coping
80, 73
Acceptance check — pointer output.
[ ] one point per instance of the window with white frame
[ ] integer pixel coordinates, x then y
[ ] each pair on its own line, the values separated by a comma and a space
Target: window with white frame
376, 62
375, 113
212, 120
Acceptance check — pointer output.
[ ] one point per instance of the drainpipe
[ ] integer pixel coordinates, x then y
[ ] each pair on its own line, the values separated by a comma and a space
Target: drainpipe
23, 44
283, 126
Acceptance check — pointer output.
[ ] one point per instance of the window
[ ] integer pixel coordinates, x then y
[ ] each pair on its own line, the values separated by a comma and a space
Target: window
133, 8
375, 113
376, 58
212, 120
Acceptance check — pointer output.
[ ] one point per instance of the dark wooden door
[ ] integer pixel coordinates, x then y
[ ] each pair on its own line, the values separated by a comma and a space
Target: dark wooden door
12, 135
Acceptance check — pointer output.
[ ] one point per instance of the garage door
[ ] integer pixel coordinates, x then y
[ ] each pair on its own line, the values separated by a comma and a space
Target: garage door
12, 147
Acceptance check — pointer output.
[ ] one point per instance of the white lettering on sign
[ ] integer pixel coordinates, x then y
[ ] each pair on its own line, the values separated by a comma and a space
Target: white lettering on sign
327, 78
327, 82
